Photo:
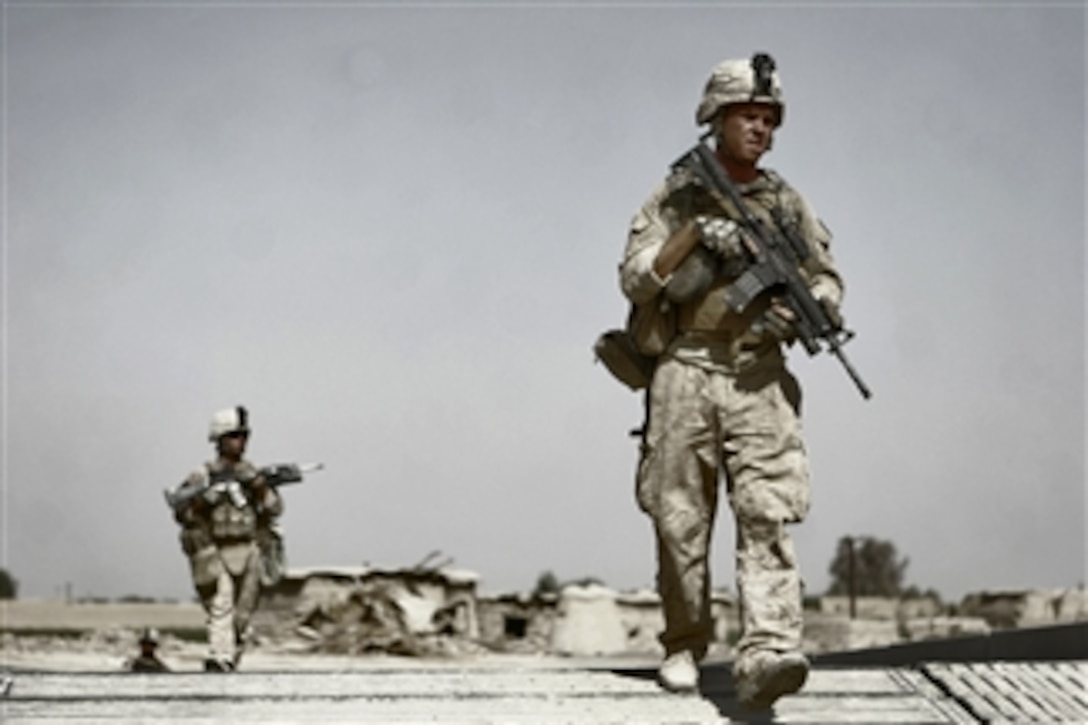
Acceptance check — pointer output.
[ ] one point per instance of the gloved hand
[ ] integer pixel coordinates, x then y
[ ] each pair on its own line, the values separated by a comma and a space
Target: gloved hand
776, 321
721, 236
211, 495
833, 312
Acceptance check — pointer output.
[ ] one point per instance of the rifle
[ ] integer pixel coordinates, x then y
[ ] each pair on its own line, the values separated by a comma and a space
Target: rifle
281, 474
777, 253
276, 475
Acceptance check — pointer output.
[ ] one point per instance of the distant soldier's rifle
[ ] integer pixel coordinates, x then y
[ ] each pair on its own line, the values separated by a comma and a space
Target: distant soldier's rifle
276, 475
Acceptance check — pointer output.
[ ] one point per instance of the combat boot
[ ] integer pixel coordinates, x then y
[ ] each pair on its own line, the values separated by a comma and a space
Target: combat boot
679, 673
241, 639
214, 665
764, 677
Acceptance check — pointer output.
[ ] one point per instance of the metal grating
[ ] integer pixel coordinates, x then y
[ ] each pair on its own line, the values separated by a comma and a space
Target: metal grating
1020, 692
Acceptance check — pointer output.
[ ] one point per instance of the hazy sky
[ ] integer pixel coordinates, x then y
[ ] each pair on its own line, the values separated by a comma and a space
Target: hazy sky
392, 232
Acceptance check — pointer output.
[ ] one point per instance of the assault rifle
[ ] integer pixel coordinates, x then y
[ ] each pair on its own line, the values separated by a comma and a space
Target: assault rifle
777, 254
280, 474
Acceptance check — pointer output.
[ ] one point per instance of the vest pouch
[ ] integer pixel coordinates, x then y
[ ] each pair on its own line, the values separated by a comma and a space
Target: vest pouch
193, 539
617, 351
652, 326
273, 561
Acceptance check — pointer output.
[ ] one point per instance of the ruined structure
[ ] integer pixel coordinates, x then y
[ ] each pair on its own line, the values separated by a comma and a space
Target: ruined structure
351, 610
435, 610
588, 620
1027, 608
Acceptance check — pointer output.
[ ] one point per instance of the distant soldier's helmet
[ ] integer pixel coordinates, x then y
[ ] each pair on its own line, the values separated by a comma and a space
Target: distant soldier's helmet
149, 636
228, 420
741, 81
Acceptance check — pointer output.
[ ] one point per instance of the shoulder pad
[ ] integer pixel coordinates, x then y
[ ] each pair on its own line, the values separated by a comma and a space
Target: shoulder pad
681, 180
197, 478
775, 182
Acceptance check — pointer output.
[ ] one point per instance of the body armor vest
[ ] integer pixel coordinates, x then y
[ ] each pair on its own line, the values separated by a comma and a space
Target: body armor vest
229, 521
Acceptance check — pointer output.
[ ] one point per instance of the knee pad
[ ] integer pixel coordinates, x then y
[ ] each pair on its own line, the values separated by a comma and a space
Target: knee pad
765, 544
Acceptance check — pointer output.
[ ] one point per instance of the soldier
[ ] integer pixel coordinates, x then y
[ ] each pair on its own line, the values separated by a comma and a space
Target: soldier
721, 401
147, 661
219, 535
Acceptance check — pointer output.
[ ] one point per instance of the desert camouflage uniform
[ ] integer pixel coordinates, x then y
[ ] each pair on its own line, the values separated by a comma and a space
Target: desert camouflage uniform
220, 542
722, 402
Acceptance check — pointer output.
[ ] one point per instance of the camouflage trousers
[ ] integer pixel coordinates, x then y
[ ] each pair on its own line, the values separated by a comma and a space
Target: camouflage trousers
705, 424
227, 579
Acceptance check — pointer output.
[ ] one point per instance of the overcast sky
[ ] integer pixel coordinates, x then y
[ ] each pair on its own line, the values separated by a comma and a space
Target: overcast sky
393, 232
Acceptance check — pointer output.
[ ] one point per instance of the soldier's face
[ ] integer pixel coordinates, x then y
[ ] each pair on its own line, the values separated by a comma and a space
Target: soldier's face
745, 131
233, 445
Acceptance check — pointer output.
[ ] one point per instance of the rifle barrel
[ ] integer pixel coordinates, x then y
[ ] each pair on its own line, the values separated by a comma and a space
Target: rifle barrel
862, 387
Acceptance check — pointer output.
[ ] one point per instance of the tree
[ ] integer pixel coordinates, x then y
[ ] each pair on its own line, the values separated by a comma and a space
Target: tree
546, 583
9, 585
877, 568
588, 581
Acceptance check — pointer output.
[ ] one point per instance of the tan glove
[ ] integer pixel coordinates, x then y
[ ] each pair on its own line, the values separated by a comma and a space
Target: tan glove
721, 236
776, 321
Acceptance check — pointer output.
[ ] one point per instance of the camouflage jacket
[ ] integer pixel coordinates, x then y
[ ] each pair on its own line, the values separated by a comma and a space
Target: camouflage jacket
679, 199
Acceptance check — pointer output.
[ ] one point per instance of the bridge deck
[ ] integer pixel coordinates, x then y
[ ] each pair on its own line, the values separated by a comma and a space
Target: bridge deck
496, 690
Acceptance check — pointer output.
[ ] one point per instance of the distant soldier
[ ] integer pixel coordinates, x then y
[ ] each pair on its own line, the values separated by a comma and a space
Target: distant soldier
221, 509
147, 661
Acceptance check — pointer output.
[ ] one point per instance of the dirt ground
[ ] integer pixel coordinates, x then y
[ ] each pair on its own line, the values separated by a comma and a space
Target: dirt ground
98, 637
42, 614
55, 636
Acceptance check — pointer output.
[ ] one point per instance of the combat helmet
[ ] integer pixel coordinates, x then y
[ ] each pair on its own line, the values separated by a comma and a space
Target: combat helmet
741, 81
228, 420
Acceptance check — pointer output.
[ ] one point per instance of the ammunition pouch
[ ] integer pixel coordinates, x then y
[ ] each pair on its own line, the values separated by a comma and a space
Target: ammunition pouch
617, 350
694, 276
652, 326
272, 563
193, 539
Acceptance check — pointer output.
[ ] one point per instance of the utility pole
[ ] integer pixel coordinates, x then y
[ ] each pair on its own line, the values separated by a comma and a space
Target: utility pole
851, 576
